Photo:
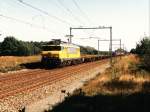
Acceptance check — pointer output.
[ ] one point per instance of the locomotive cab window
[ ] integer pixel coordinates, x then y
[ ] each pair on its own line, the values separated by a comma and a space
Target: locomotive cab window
51, 48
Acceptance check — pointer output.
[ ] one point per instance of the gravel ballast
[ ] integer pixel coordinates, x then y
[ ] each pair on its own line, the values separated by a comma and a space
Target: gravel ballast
46, 97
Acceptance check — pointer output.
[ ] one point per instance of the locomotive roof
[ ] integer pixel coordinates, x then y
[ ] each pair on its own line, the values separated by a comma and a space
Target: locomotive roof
69, 45
64, 45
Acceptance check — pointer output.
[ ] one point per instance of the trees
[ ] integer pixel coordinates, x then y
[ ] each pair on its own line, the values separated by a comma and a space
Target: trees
143, 46
12, 46
143, 50
88, 50
133, 51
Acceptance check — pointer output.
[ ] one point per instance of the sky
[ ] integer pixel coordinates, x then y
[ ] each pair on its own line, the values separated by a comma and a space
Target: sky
129, 20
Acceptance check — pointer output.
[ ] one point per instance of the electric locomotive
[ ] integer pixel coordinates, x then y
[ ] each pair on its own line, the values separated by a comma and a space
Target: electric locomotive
57, 53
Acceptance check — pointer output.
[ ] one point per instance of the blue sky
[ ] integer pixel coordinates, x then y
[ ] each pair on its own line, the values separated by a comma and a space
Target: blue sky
128, 18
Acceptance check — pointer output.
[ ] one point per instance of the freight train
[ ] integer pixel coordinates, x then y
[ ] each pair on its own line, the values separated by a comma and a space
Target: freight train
58, 53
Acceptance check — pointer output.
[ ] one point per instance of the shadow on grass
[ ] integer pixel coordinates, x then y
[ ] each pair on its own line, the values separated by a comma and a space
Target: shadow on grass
106, 103
37, 65
33, 65
146, 87
136, 102
120, 85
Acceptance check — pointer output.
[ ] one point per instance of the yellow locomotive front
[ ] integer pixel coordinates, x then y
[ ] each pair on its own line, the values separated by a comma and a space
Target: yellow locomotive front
60, 53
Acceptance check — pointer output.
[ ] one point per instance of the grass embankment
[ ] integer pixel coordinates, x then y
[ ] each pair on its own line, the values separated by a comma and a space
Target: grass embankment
10, 63
122, 88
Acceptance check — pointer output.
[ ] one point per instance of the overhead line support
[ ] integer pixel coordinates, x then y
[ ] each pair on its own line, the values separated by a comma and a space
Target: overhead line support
100, 27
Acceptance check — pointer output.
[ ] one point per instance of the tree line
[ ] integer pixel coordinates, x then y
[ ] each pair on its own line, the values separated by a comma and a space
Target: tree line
14, 47
143, 51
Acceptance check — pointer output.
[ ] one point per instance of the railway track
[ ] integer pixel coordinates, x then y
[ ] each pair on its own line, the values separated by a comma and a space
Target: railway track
29, 81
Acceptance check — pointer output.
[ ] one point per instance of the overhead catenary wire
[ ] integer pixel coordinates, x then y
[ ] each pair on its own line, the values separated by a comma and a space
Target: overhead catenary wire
83, 14
70, 12
25, 22
60, 7
44, 12
81, 11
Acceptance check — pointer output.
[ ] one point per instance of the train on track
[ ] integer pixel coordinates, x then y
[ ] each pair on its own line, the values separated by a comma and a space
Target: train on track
58, 53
